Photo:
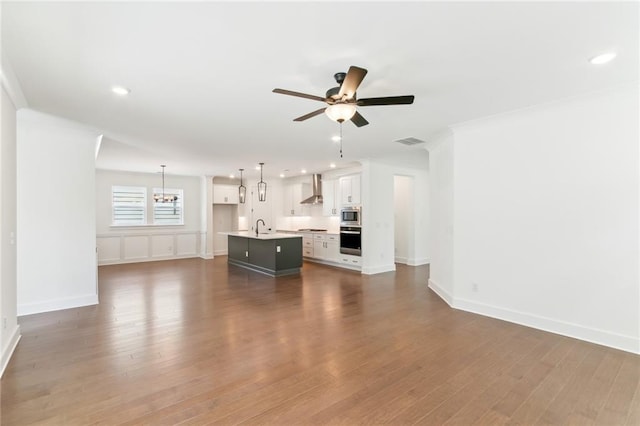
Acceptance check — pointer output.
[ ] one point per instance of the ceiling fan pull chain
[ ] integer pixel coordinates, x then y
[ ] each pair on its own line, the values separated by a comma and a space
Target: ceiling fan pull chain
341, 139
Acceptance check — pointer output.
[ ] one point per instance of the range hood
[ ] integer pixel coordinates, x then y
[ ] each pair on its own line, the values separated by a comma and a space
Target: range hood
316, 198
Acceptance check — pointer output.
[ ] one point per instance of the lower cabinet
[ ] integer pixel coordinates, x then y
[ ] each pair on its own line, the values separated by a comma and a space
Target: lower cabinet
352, 261
326, 247
307, 245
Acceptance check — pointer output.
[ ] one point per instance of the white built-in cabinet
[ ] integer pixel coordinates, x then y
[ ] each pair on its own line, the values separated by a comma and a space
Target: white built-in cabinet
326, 247
350, 190
293, 194
330, 197
225, 194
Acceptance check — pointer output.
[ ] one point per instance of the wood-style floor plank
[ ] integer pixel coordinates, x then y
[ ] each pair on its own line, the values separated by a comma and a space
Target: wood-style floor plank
199, 342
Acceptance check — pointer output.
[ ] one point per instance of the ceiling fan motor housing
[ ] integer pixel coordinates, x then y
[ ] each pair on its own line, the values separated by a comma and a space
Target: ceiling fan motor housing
332, 94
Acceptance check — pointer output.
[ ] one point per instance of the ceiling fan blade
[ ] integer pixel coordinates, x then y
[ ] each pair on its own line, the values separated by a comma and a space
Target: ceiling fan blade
311, 114
298, 94
352, 81
359, 120
389, 100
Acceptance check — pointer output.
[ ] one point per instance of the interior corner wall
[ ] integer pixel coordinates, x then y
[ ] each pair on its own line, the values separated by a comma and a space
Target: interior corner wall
546, 218
56, 213
9, 328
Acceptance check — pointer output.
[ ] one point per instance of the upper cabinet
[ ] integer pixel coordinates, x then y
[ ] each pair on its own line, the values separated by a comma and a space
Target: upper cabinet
225, 194
293, 194
350, 190
330, 197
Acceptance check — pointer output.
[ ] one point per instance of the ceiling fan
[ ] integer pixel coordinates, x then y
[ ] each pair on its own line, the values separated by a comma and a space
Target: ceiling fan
342, 99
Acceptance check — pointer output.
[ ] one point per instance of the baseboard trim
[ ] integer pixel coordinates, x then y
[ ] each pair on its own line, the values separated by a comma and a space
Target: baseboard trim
576, 331
207, 256
401, 259
220, 252
441, 292
417, 261
57, 304
372, 270
10, 348
146, 259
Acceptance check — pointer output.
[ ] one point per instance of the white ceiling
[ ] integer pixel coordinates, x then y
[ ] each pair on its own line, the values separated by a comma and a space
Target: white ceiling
201, 74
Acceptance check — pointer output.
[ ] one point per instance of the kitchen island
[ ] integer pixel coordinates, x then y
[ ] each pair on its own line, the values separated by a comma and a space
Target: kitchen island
274, 254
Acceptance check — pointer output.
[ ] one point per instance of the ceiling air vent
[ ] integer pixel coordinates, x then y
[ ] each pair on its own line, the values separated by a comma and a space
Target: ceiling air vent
409, 141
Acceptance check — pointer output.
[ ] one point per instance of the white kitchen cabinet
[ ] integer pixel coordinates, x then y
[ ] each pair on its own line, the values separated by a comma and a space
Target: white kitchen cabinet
350, 261
293, 194
330, 197
326, 247
350, 190
307, 245
225, 194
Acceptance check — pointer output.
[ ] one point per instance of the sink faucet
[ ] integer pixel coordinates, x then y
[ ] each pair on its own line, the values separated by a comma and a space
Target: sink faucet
258, 221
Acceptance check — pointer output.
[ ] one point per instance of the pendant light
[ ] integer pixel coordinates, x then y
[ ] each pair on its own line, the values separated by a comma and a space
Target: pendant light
242, 190
162, 198
262, 187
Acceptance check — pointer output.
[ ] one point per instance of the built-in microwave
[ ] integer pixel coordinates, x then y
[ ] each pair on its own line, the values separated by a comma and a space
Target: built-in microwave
350, 216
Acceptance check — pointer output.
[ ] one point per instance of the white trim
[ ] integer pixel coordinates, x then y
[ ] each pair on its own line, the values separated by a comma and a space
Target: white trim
206, 256
441, 292
221, 252
106, 262
57, 304
372, 270
577, 331
418, 261
10, 348
401, 259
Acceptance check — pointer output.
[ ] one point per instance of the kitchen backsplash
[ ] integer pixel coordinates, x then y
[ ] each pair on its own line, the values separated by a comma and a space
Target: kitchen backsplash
331, 224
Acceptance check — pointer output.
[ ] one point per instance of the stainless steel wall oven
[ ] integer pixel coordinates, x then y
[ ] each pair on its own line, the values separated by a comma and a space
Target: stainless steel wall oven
351, 240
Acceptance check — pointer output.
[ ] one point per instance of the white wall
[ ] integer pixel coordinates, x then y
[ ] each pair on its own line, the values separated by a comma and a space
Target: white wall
56, 213
9, 329
118, 244
546, 218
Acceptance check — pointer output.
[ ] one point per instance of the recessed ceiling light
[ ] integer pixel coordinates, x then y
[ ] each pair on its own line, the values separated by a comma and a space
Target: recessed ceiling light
335, 138
257, 167
332, 165
119, 90
231, 176
303, 171
603, 58
281, 175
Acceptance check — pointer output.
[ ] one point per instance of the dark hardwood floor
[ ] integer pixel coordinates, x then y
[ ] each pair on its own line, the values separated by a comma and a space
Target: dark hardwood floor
198, 342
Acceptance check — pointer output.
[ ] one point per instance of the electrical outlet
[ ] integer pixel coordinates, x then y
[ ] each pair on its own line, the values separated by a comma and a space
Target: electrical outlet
474, 287
277, 249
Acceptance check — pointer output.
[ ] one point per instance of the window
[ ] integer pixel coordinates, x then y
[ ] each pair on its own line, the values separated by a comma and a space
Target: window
170, 213
129, 205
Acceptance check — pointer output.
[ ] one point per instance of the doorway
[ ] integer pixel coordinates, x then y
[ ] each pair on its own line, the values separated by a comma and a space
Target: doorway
403, 209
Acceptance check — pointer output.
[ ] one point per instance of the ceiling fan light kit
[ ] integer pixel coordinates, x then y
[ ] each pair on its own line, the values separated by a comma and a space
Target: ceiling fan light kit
341, 100
340, 112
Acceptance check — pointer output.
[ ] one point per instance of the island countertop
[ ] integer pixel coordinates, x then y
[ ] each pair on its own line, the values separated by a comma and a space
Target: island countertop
266, 236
